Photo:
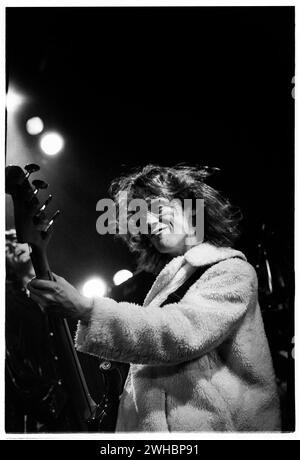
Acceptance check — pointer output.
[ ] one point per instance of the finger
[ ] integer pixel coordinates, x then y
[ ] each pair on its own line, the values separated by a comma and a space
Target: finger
48, 297
34, 290
56, 277
45, 301
42, 294
37, 299
42, 284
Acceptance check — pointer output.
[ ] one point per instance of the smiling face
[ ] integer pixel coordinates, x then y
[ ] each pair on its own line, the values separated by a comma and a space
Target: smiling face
170, 229
17, 254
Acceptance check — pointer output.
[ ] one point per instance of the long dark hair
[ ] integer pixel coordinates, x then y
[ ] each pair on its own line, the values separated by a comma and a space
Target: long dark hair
177, 182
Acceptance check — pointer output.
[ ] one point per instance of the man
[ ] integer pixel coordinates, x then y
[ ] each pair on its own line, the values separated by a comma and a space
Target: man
201, 362
27, 373
19, 269
31, 392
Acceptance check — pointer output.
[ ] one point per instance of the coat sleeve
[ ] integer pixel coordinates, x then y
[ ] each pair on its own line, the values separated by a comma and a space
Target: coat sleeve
208, 313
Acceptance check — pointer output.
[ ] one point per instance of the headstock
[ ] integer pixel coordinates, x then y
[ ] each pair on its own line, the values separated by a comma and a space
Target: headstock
32, 225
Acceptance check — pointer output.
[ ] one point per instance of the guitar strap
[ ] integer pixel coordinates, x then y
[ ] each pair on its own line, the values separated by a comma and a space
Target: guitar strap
181, 291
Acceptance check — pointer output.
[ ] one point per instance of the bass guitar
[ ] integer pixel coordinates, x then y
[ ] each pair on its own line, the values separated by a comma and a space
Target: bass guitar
33, 227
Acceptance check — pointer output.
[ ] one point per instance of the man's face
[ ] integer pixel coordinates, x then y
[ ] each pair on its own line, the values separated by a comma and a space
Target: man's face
169, 227
17, 254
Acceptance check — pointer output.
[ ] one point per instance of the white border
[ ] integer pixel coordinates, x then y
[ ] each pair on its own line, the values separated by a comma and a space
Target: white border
144, 436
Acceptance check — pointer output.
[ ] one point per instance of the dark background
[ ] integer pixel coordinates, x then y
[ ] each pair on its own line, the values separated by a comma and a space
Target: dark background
129, 86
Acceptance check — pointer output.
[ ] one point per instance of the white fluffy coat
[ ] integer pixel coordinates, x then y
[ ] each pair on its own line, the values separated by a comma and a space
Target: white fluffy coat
202, 364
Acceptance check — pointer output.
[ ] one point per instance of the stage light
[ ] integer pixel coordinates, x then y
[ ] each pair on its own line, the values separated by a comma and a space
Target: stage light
13, 100
51, 143
94, 287
121, 276
34, 126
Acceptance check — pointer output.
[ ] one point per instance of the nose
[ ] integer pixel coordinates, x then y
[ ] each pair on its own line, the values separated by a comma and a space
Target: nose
152, 221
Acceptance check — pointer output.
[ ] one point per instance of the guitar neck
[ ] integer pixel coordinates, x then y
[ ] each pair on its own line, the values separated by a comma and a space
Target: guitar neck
40, 263
72, 375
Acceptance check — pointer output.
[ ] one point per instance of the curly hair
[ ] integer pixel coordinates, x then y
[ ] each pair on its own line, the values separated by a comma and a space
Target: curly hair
177, 182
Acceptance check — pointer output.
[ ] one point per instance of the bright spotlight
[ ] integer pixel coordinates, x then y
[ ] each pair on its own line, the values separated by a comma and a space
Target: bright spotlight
94, 287
51, 143
13, 100
121, 276
34, 126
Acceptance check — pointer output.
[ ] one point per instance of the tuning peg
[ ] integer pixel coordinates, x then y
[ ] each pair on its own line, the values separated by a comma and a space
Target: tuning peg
39, 185
31, 168
45, 204
55, 216
41, 210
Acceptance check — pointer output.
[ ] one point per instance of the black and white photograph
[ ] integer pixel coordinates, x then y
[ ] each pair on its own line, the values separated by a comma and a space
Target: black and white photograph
149, 221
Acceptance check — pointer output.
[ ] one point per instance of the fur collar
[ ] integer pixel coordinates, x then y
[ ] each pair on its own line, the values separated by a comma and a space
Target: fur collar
208, 254
180, 268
